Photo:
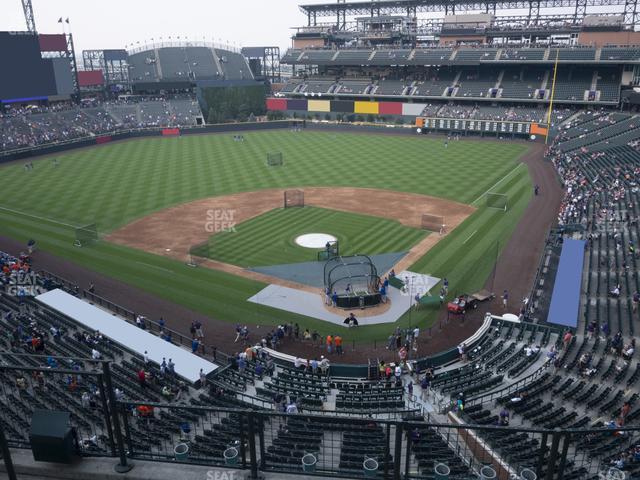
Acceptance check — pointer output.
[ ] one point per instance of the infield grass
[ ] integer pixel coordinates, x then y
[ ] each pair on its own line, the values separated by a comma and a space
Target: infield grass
269, 239
114, 184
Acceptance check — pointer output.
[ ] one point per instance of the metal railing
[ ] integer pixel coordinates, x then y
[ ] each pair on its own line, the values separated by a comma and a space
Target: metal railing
209, 432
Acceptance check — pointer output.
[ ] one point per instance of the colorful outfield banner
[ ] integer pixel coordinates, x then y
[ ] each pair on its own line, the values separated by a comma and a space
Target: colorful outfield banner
345, 106
170, 132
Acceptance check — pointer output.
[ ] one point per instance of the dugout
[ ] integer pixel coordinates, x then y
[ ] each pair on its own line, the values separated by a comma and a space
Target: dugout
355, 281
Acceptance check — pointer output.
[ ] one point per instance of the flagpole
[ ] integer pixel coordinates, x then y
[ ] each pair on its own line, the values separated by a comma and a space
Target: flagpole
553, 92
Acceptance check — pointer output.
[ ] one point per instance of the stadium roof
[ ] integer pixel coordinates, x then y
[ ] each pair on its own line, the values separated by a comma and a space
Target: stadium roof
390, 7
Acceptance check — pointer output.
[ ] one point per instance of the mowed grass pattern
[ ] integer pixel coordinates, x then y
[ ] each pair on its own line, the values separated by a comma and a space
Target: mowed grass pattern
269, 239
116, 183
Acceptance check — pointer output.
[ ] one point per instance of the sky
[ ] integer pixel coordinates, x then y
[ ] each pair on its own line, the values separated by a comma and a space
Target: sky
127, 23
120, 23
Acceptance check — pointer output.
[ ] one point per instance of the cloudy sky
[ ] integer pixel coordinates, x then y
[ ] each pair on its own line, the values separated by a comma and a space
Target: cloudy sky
120, 23
117, 23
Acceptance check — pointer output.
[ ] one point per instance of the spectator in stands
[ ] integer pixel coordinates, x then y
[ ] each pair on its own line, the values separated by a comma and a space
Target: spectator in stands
615, 293
142, 378
624, 412
629, 350
424, 385
338, 342
503, 418
591, 328
324, 366
462, 351
171, 368
242, 363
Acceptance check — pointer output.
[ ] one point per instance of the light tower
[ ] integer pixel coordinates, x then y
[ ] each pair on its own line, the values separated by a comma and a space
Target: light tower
28, 15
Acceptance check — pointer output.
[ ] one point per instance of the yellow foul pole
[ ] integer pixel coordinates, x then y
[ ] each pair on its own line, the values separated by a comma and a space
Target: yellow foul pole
553, 92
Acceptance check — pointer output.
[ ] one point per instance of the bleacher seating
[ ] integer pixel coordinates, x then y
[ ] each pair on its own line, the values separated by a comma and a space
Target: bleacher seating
26, 129
391, 57
521, 82
352, 57
391, 87
522, 54
319, 56
474, 55
431, 57
472, 83
571, 83
619, 53
573, 53
234, 66
436, 86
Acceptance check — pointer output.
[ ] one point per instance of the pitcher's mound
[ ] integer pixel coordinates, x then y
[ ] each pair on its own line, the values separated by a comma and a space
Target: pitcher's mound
314, 240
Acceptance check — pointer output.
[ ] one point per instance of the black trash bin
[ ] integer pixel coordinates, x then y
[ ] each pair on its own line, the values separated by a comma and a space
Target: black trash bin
51, 437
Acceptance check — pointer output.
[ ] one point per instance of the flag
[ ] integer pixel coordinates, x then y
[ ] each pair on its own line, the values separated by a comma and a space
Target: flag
60, 20
67, 20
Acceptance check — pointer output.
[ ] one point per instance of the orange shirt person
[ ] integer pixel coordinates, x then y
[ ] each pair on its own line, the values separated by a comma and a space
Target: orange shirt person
338, 341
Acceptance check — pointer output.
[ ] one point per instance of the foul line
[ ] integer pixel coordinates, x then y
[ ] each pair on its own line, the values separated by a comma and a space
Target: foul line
498, 182
39, 218
475, 231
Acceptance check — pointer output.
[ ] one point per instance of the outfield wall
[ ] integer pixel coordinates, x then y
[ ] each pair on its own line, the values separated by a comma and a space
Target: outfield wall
59, 147
345, 106
397, 110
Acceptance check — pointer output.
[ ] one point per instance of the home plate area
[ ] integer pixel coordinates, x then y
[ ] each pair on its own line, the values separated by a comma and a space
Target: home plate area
312, 304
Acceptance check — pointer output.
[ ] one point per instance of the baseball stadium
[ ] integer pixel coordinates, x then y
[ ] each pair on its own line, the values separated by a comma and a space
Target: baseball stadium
403, 247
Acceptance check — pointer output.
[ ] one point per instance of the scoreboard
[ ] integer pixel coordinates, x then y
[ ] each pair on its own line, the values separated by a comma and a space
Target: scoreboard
481, 127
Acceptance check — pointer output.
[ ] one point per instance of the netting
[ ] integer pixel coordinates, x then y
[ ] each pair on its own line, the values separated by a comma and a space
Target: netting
199, 253
352, 275
331, 250
275, 159
433, 223
293, 198
86, 235
497, 201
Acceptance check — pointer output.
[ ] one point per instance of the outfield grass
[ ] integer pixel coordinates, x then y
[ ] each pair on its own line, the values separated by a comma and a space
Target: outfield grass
269, 239
117, 183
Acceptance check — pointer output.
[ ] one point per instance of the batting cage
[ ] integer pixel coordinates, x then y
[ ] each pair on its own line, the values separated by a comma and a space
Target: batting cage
86, 235
199, 253
331, 250
433, 223
293, 198
499, 201
275, 159
354, 279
